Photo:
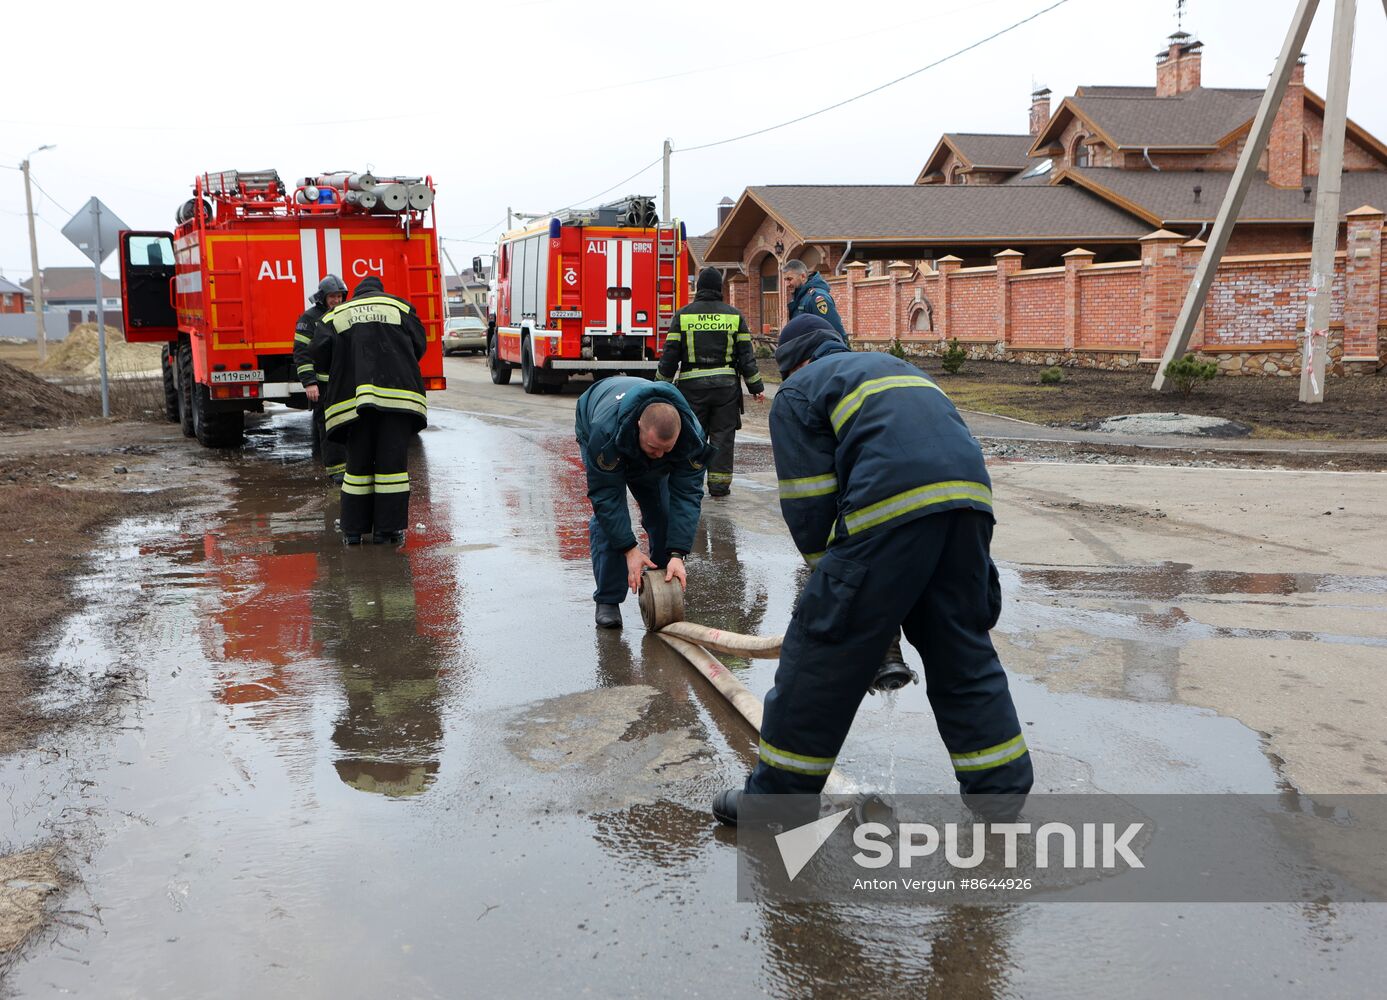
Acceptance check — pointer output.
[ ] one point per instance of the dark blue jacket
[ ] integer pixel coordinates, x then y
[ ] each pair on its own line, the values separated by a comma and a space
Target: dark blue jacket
610, 442
865, 442
814, 299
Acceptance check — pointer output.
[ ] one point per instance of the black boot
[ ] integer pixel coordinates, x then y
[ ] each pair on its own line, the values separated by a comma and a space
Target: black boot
893, 674
609, 616
350, 539
388, 538
725, 806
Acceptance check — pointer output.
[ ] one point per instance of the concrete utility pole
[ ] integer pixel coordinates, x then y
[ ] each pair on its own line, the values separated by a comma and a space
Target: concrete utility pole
1237, 189
664, 208
1326, 239
37, 279
1326, 235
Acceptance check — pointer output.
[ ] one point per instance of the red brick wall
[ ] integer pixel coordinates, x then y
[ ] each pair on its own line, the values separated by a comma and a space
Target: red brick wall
871, 310
1248, 240
1110, 309
973, 305
1256, 303
1037, 311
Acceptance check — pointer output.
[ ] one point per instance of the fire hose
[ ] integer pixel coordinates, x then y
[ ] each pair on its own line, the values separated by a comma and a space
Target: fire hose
662, 610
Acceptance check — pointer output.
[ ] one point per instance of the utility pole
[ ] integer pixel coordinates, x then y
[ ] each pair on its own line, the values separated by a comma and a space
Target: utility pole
664, 209
37, 279
1326, 238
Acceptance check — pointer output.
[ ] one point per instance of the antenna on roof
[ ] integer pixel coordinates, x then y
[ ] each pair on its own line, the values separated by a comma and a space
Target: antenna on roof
1179, 15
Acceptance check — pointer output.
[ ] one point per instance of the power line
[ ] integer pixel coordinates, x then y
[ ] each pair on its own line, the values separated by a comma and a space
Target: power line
878, 89
55, 201
599, 194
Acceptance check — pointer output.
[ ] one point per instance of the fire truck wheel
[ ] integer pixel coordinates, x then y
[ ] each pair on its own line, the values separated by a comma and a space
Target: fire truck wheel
170, 385
529, 374
500, 370
216, 429
185, 385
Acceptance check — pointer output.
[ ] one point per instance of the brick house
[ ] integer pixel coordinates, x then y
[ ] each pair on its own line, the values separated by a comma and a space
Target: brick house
1093, 184
73, 289
12, 297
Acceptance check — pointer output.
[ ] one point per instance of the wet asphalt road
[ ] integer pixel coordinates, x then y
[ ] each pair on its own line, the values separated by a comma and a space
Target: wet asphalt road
424, 773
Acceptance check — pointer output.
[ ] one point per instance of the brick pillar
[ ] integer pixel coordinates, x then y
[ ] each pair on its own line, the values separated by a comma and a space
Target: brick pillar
945, 266
1190, 253
900, 271
1074, 262
1162, 290
1362, 290
856, 271
1008, 263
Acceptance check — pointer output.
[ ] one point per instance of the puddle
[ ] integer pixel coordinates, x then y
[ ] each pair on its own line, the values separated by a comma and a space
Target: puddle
380, 772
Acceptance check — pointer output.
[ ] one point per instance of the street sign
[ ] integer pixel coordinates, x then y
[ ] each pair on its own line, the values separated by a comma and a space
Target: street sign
94, 230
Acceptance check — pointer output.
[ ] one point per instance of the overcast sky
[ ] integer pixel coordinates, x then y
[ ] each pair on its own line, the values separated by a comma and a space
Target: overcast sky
536, 104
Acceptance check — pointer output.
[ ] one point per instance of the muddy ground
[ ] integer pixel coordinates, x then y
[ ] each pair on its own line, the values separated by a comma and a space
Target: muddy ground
60, 490
423, 772
1353, 408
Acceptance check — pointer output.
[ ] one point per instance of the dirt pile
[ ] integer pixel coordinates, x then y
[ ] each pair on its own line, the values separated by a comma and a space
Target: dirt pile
27, 401
79, 353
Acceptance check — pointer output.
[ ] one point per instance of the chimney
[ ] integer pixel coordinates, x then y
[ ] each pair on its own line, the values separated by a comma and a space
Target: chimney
1285, 157
1178, 67
1040, 110
725, 209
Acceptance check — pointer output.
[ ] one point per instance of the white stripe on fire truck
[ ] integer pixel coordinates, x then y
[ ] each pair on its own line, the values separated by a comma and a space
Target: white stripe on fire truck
626, 282
308, 257
332, 239
611, 284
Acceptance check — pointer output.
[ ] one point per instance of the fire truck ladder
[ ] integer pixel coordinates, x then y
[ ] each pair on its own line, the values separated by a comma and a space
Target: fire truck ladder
666, 272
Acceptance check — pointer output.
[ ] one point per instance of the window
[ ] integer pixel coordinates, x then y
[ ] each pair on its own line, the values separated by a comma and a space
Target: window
1040, 169
149, 251
1079, 152
956, 175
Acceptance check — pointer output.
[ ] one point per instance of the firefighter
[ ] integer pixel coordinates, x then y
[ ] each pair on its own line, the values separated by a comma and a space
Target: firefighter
331, 291
709, 343
369, 348
809, 296
639, 436
885, 494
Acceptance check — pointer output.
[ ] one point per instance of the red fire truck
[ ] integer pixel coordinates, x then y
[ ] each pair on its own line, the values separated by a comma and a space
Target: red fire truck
588, 292
223, 290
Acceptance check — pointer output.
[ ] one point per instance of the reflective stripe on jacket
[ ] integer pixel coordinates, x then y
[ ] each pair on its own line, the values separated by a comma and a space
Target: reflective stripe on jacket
864, 442
709, 341
369, 347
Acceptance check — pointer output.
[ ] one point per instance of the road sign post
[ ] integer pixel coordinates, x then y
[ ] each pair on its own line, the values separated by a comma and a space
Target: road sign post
94, 230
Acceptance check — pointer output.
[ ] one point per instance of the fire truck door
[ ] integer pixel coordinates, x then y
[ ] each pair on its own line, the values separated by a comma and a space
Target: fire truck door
607, 267
146, 280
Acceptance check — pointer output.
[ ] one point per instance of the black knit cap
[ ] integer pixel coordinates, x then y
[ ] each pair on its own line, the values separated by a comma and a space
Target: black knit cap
709, 280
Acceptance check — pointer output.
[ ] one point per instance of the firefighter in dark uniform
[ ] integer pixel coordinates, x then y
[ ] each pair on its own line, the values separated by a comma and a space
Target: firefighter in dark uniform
886, 495
331, 291
708, 345
639, 436
373, 402
809, 296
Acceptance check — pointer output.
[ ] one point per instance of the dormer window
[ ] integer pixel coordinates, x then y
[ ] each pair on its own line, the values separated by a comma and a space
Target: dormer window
1040, 169
1079, 155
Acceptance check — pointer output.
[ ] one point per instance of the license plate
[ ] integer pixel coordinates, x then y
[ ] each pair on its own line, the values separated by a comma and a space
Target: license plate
238, 376
565, 314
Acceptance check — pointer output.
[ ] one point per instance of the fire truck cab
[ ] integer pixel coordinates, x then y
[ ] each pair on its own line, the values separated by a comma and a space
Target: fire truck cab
224, 289
586, 293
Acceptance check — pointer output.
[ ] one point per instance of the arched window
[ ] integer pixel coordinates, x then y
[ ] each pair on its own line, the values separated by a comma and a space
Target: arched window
956, 174
1078, 154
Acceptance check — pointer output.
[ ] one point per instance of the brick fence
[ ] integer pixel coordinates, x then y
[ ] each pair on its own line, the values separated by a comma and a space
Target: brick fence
1120, 315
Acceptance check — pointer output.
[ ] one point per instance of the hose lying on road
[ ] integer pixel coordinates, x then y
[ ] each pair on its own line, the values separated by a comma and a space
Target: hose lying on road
662, 610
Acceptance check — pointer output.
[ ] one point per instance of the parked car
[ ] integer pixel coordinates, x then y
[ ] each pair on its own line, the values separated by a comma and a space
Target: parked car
464, 333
